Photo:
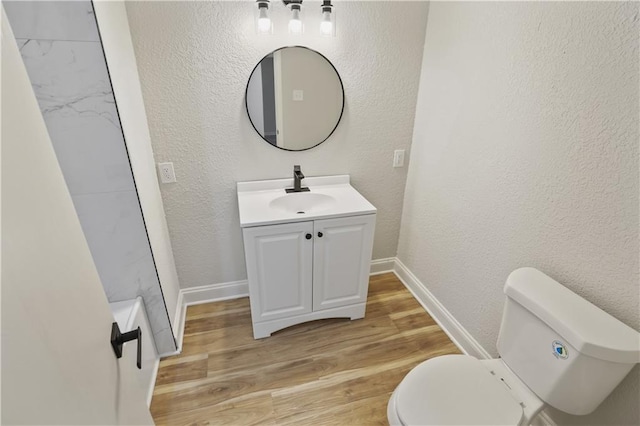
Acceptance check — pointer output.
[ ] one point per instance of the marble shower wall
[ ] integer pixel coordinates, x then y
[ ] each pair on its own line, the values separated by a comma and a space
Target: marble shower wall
61, 49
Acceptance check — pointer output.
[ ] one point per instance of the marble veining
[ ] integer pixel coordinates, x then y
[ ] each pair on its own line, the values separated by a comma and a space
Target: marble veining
72, 86
83, 88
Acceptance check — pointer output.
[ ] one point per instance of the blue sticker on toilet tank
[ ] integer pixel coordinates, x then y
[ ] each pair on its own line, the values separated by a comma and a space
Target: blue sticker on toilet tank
559, 350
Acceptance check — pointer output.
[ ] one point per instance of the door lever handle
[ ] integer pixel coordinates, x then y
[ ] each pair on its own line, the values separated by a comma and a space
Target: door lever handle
118, 340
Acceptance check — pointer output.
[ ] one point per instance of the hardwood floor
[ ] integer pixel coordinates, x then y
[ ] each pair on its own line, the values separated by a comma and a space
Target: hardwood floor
327, 372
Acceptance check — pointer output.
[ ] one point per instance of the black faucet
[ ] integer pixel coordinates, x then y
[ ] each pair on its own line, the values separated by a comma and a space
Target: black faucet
297, 179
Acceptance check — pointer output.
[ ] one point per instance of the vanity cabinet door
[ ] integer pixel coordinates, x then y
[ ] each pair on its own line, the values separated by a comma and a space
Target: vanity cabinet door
341, 261
279, 268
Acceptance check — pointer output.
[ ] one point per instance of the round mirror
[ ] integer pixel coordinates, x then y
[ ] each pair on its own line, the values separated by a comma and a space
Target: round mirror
294, 98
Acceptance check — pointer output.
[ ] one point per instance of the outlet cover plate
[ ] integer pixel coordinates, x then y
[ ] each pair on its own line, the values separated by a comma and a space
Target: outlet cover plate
167, 174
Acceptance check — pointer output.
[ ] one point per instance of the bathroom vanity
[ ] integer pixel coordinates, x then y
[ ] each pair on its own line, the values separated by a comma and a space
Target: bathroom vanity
308, 254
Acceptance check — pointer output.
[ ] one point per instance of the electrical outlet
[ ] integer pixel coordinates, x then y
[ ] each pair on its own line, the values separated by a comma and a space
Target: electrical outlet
167, 175
398, 158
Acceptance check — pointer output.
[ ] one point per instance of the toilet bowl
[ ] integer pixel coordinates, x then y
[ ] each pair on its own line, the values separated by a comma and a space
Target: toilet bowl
462, 390
556, 349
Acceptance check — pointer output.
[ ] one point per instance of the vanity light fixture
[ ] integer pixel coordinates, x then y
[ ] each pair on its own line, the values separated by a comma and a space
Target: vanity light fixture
296, 26
328, 24
263, 22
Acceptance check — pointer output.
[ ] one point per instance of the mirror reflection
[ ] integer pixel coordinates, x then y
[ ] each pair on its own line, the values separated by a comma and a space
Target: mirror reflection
294, 98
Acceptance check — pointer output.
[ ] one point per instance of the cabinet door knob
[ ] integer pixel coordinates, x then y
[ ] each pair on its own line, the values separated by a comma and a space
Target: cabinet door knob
308, 236
320, 234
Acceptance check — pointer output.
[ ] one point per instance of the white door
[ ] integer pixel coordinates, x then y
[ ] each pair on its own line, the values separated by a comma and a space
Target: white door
341, 261
58, 366
279, 262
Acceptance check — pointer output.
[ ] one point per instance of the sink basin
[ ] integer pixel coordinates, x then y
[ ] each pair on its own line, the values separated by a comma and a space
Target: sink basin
265, 202
303, 202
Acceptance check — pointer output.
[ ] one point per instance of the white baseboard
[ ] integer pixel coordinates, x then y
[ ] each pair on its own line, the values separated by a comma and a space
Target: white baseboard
456, 332
204, 294
214, 292
381, 266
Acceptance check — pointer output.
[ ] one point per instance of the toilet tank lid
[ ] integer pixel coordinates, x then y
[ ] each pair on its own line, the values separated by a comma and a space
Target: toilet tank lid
586, 327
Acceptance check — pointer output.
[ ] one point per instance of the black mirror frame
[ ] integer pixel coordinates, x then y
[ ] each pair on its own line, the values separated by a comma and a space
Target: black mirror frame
246, 103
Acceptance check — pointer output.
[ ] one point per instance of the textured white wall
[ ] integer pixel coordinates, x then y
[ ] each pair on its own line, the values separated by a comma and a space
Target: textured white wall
525, 153
194, 60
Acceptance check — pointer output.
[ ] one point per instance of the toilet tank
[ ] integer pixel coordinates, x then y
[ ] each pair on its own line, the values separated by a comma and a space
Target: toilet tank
571, 353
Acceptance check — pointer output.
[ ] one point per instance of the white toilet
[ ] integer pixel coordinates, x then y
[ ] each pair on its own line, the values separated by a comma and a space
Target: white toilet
555, 347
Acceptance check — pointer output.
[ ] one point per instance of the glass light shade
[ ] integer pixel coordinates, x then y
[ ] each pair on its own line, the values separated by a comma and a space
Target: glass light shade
264, 22
327, 26
295, 23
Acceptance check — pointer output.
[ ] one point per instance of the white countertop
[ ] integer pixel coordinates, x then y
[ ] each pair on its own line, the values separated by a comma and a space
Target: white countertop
254, 200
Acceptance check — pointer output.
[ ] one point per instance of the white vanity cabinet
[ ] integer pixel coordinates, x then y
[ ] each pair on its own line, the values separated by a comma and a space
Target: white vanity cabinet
309, 270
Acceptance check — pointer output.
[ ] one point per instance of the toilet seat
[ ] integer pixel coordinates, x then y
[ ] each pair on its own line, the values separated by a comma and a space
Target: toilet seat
455, 390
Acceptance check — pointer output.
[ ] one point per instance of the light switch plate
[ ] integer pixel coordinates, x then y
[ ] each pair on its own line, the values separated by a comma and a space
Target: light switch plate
298, 95
398, 158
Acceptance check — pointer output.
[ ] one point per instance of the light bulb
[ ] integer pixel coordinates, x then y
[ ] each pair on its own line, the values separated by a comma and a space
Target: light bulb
264, 23
295, 24
326, 26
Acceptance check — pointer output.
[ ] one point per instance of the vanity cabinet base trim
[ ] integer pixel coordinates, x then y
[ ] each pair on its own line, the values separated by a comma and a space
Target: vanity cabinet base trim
264, 329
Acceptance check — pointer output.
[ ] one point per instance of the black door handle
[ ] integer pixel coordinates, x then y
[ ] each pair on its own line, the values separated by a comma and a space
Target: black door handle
320, 234
308, 236
119, 339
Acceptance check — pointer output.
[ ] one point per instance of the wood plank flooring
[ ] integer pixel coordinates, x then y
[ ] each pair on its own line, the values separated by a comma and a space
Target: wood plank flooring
327, 372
